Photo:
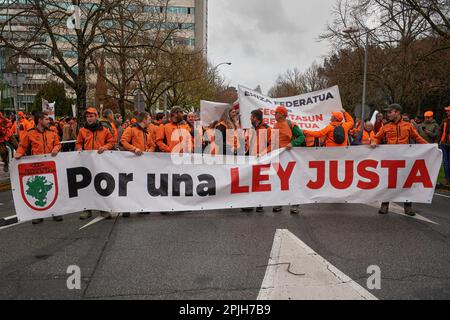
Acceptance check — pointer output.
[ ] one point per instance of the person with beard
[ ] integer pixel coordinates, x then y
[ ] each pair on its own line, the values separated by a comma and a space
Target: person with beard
174, 136
40, 140
397, 131
196, 132
94, 136
138, 140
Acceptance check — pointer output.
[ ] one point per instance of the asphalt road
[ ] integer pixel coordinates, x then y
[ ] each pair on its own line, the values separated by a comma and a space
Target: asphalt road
221, 254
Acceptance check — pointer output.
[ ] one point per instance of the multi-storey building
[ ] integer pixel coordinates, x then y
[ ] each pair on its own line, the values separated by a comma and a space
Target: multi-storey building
190, 16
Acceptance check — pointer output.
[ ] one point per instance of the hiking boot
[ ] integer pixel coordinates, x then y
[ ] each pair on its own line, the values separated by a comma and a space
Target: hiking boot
408, 209
384, 208
295, 209
259, 209
277, 209
85, 215
105, 215
37, 221
247, 209
57, 218
126, 214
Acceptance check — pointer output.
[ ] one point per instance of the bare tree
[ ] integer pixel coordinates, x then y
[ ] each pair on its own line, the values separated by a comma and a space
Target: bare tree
41, 34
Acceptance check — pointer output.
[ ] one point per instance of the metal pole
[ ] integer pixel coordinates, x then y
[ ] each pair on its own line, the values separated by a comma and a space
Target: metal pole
366, 51
16, 106
165, 102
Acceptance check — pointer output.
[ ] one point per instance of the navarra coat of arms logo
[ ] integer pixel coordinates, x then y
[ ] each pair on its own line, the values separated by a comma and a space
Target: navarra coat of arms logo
38, 184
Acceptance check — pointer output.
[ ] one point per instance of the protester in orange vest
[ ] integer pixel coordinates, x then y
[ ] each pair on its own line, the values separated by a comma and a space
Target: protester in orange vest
232, 142
5, 135
24, 125
368, 134
289, 135
336, 127
136, 138
397, 131
444, 145
257, 142
94, 136
40, 140
174, 136
196, 132
108, 116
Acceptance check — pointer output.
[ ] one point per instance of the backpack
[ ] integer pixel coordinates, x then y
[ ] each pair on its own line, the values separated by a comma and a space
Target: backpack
291, 126
339, 134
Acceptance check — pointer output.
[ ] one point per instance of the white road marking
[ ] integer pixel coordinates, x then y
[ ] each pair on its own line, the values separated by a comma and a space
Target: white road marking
441, 195
295, 271
395, 208
99, 218
12, 225
2, 204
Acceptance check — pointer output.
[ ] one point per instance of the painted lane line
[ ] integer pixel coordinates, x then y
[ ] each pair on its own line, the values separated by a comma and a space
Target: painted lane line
395, 208
99, 218
441, 195
295, 271
12, 225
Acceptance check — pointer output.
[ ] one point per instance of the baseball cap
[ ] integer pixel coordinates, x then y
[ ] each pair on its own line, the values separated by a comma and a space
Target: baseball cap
91, 110
428, 114
282, 110
447, 108
394, 106
338, 115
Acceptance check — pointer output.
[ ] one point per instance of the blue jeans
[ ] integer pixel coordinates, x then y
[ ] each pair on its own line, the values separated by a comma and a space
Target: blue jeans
446, 160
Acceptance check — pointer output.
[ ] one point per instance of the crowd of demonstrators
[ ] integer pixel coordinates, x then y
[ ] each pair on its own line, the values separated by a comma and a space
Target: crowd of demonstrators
181, 132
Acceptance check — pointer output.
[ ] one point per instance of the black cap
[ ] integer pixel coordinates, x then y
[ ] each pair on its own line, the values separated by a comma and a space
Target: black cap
394, 106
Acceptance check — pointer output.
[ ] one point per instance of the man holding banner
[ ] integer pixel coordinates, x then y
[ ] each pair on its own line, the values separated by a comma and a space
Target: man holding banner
289, 135
397, 131
36, 141
94, 136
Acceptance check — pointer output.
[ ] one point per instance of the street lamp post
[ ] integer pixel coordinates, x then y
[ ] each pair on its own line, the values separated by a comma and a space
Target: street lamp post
349, 31
215, 68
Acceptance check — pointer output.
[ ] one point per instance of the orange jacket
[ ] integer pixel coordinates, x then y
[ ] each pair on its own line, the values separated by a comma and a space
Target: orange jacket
116, 133
327, 132
398, 133
171, 135
39, 142
445, 132
135, 137
258, 140
93, 140
310, 141
368, 137
153, 130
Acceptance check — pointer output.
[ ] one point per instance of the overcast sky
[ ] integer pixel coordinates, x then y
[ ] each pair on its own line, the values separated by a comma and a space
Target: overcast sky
263, 38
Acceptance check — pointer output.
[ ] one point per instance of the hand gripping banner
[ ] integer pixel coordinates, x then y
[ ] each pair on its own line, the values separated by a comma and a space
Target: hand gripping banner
123, 182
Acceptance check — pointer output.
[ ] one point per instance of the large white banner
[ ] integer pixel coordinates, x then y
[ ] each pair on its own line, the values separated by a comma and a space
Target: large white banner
310, 111
211, 111
123, 182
